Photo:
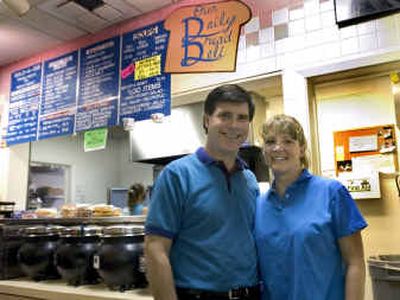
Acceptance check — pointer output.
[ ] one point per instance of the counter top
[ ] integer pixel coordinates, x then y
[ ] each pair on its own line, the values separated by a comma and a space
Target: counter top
58, 289
70, 221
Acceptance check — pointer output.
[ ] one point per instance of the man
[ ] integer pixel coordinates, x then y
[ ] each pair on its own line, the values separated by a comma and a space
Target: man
199, 242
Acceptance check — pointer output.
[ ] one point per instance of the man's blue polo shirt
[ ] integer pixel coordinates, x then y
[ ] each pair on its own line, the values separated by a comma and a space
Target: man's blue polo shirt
297, 239
209, 215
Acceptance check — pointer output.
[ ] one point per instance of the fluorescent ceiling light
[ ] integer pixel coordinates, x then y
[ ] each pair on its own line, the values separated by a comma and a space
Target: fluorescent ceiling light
19, 7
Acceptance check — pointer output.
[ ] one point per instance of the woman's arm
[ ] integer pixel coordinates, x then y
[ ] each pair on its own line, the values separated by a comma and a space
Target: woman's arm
351, 248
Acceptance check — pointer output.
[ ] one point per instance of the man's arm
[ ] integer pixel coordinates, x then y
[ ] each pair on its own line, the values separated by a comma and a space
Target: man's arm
351, 248
159, 272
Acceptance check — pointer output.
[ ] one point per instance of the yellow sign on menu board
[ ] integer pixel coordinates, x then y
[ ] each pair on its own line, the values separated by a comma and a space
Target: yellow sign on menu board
148, 67
204, 37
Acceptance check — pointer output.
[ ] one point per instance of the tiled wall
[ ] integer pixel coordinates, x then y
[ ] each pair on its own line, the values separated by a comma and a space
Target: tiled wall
289, 34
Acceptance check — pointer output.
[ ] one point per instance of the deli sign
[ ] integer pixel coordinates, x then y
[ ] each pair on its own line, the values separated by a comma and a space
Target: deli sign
204, 37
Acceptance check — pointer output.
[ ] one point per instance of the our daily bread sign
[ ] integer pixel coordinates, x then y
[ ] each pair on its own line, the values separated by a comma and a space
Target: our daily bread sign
204, 37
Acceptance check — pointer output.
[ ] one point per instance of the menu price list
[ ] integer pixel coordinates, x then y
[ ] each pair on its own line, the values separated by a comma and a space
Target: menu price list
145, 88
57, 125
97, 115
99, 82
58, 104
24, 105
59, 83
93, 87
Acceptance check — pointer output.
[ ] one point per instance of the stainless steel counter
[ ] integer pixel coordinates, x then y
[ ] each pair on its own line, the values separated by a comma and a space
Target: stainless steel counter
72, 221
58, 290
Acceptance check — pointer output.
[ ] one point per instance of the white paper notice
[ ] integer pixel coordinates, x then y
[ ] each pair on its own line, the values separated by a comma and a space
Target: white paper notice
363, 143
378, 163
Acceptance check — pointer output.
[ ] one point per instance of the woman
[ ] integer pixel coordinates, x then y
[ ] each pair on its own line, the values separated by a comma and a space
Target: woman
307, 227
136, 197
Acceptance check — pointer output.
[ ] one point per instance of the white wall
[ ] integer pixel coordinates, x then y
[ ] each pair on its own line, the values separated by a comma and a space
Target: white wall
341, 106
92, 172
128, 172
354, 104
4, 154
314, 45
4, 162
17, 174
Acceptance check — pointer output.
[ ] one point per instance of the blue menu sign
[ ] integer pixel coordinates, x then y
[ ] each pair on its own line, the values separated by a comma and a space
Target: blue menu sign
24, 105
93, 87
145, 88
58, 124
58, 105
98, 86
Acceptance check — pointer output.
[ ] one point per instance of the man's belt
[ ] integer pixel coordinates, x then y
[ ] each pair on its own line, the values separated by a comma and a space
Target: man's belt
238, 293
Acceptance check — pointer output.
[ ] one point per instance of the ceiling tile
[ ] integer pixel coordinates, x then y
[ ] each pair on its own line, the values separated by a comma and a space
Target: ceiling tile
75, 15
146, 5
127, 10
50, 25
51, 22
92, 23
18, 41
108, 13
70, 10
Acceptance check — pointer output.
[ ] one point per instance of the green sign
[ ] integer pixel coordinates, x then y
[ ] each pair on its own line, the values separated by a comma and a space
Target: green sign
95, 139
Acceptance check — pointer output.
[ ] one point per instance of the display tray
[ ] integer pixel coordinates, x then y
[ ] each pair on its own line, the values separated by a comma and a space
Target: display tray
70, 221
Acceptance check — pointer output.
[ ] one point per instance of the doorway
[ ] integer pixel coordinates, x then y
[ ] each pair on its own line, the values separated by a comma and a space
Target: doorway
48, 185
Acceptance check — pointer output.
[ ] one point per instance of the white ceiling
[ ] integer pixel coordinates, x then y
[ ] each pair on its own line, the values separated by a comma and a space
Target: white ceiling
52, 22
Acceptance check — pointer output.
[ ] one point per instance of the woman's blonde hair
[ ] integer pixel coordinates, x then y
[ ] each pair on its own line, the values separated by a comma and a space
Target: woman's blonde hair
284, 124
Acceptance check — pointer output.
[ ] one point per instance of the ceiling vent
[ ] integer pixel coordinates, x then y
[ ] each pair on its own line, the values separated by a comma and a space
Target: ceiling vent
90, 5
90, 15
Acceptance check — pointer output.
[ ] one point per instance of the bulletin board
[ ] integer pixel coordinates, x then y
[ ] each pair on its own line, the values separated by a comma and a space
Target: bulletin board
378, 142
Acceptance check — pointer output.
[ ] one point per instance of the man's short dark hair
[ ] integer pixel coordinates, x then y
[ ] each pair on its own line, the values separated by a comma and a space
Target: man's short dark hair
228, 93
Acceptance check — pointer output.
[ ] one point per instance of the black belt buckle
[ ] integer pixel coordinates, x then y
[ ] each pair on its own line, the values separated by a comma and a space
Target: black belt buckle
235, 294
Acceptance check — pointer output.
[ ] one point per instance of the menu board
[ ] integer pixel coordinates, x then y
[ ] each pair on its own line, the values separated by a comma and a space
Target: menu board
98, 86
58, 103
24, 105
145, 88
93, 87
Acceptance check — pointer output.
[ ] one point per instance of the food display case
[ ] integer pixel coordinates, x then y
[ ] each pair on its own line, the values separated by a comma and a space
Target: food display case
11, 236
